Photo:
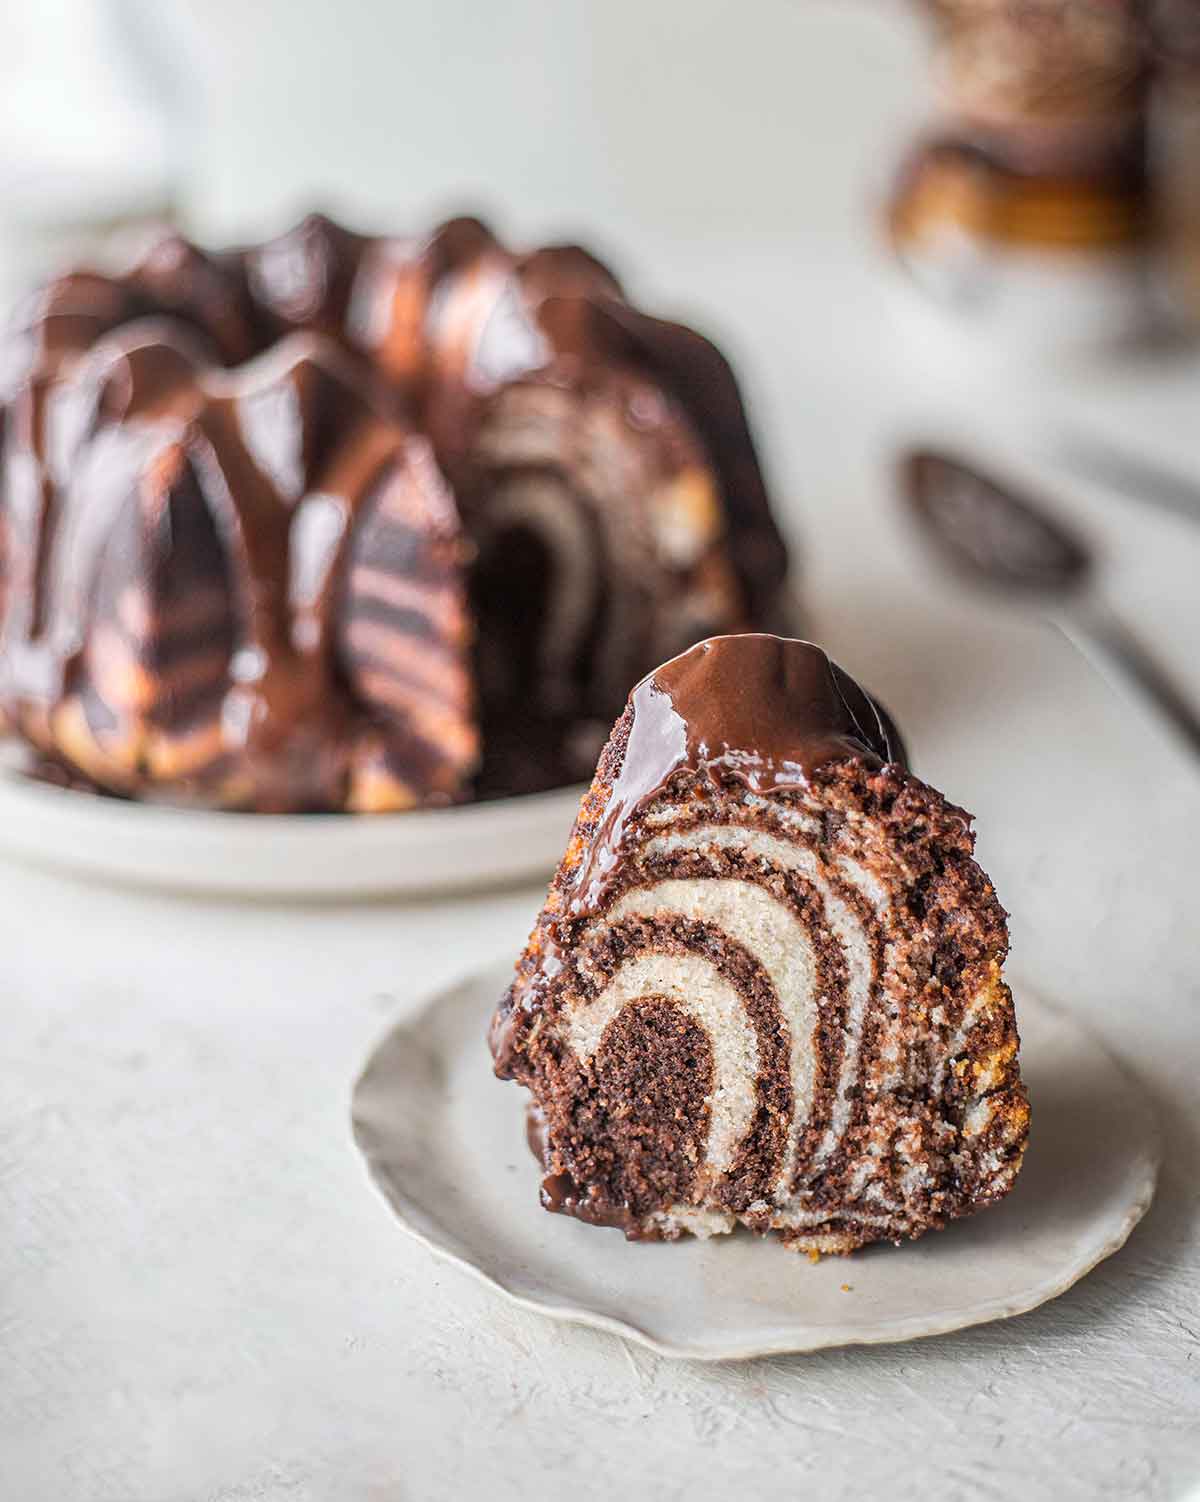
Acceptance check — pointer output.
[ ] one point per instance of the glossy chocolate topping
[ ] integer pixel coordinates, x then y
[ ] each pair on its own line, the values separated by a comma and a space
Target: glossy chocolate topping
299, 468
765, 711
988, 532
559, 1193
197, 535
699, 376
559, 315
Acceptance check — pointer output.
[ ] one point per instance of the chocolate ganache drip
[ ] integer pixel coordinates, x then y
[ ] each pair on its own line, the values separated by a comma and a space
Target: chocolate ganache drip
427, 508
766, 711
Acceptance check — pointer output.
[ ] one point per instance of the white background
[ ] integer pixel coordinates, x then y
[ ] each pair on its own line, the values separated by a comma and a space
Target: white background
200, 1295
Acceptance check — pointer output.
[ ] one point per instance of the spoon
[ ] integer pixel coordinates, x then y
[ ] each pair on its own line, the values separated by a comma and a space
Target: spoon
1008, 542
1137, 479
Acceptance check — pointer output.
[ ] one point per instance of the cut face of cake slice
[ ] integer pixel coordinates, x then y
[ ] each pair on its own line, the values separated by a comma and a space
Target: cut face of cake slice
765, 987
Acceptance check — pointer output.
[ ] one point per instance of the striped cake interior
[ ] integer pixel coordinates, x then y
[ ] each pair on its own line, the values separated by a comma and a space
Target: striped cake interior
601, 546
826, 1047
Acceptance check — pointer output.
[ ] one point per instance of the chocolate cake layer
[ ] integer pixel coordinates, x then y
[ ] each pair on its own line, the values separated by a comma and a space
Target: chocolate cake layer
753, 861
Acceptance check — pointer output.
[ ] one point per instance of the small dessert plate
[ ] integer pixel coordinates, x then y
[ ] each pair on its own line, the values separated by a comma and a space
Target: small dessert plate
470, 846
445, 1143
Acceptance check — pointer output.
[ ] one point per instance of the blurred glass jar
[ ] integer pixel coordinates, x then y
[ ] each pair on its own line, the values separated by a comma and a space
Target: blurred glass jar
98, 104
1028, 204
1176, 40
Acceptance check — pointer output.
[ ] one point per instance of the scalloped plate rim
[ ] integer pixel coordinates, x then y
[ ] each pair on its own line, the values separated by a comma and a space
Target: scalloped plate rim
419, 1225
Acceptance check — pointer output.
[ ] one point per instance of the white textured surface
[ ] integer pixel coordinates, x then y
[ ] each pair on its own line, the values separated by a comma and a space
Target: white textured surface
449, 1153
200, 1296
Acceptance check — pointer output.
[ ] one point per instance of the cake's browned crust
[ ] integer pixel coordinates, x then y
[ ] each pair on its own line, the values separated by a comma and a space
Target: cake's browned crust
935, 1117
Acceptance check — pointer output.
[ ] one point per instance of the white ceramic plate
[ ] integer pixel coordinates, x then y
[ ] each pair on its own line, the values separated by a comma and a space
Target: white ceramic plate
445, 1143
286, 855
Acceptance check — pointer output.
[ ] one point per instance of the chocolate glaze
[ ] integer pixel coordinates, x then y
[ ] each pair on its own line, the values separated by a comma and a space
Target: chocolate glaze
767, 711
988, 532
700, 378
433, 327
559, 315
559, 1192
503, 329
231, 499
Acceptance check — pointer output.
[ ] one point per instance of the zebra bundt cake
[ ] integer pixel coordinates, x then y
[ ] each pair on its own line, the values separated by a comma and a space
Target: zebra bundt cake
766, 984
231, 570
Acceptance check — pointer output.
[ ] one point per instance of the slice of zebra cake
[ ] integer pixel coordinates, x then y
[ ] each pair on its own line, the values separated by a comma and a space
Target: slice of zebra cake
766, 984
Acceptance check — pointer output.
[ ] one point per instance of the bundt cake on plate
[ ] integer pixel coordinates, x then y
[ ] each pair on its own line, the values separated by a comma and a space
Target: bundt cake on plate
766, 984
366, 523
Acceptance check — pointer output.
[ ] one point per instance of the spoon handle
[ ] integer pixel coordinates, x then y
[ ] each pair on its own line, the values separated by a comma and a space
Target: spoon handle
1122, 656
1137, 479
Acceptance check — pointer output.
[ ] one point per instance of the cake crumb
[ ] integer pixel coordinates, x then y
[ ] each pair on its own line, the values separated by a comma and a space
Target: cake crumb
813, 1255
847, 1288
